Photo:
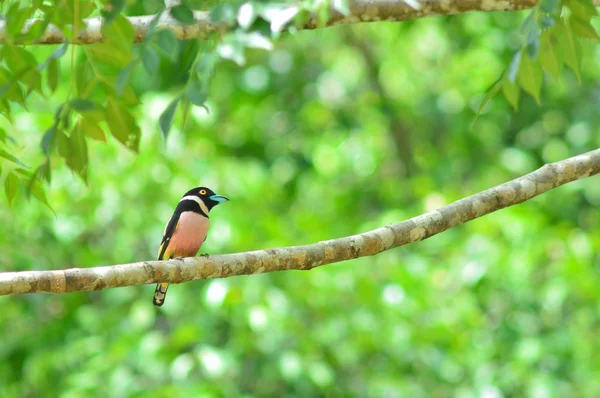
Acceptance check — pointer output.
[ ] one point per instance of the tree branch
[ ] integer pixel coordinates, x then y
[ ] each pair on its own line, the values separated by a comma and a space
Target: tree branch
309, 256
360, 11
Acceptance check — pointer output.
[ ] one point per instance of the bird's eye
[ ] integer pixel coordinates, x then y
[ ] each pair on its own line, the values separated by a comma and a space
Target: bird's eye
203, 192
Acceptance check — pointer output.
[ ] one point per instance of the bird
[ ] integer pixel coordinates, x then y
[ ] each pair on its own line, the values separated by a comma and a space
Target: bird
186, 230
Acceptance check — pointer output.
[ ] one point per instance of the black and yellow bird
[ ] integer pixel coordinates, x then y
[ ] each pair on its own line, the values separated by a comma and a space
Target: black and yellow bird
186, 230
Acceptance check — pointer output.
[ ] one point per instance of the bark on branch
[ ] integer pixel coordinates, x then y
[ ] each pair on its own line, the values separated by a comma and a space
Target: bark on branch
360, 11
309, 256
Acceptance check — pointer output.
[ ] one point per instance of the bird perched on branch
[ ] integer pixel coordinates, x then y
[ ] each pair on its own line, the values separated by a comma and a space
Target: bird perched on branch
186, 230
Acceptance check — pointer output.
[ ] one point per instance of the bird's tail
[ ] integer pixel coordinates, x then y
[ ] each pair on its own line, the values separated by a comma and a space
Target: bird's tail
160, 294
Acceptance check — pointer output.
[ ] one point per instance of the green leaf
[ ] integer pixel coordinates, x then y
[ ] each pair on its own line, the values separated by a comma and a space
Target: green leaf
10, 157
150, 60
183, 14
166, 41
166, 118
206, 66
11, 183
550, 6
38, 192
82, 105
582, 9
23, 65
62, 143
84, 82
56, 54
570, 48
550, 58
196, 93
128, 96
123, 78
107, 54
49, 140
52, 75
511, 92
9, 90
16, 17
533, 42
119, 34
112, 9
513, 68
78, 153
122, 125
583, 28
530, 77
223, 13
44, 170
91, 129
489, 94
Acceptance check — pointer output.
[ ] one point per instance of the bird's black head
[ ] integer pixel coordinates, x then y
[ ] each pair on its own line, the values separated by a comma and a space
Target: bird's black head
208, 197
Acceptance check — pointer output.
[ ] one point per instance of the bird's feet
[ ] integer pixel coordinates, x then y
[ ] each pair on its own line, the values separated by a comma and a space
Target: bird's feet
180, 258
204, 255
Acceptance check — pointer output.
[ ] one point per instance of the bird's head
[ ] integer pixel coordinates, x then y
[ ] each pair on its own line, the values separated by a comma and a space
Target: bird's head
207, 196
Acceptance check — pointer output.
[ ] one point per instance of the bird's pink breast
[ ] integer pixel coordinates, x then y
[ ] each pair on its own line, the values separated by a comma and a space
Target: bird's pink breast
189, 235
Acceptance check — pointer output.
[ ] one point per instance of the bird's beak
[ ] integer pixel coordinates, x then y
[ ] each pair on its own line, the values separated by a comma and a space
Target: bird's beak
218, 198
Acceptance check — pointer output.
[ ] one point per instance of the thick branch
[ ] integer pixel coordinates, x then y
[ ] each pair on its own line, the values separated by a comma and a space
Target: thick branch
360, 11
310, 256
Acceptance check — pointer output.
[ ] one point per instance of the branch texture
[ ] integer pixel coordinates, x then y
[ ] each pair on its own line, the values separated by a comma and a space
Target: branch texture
309, 256
360, 11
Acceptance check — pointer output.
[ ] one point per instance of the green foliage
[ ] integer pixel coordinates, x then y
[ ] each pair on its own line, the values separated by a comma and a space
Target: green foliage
549, 40
330, 133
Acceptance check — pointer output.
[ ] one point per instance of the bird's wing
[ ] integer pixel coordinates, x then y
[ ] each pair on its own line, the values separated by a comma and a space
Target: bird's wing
169, 230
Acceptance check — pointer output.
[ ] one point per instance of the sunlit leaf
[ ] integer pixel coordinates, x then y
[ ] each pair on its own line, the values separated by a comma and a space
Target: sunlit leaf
62, 144
550, 58
122, 125
119, 34
246, 15
10, 157
56, 54
11, 183
530, 77
38, 192
489, 94
343, 7
282, 18
91, 129
109, 55
583, 28
511, 92
570, 48
16, 17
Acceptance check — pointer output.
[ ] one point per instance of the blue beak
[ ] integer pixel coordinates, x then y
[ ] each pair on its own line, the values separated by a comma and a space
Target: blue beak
218, 198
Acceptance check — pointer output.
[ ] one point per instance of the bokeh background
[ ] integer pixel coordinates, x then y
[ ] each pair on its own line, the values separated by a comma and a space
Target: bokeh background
335, 132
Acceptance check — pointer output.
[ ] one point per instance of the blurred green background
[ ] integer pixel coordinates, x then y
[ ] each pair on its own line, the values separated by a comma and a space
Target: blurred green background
335, 132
